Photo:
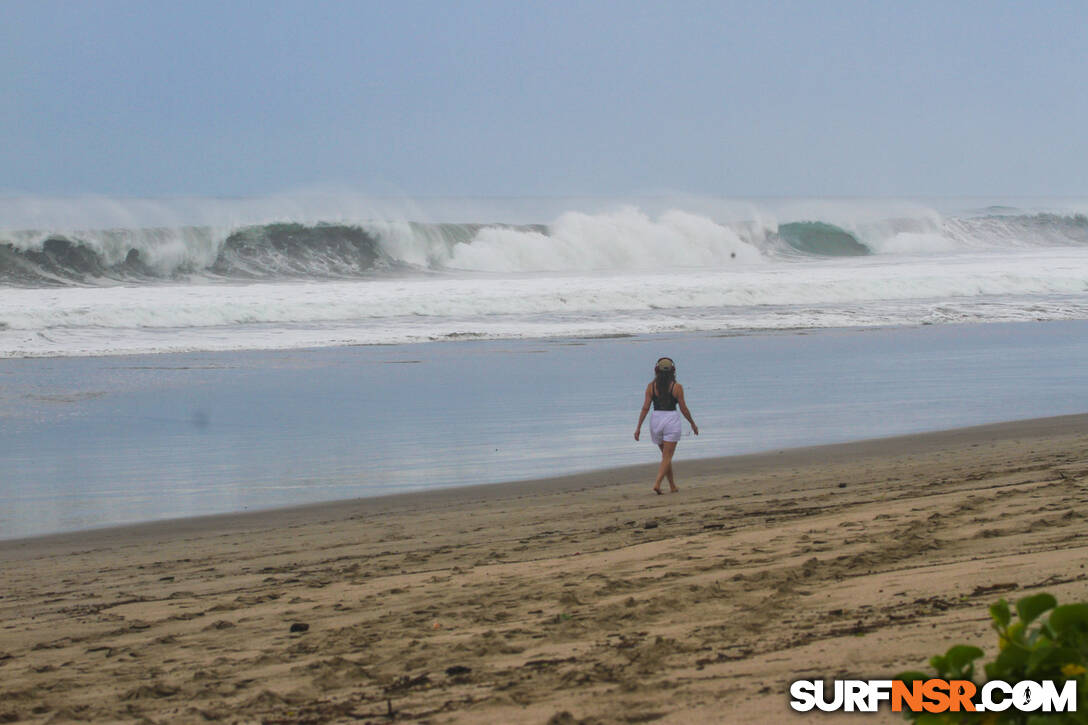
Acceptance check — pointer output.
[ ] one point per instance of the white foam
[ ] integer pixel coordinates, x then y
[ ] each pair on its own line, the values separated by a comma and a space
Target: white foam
601, 268
187, 235
626, 239
1013, 285
912, 243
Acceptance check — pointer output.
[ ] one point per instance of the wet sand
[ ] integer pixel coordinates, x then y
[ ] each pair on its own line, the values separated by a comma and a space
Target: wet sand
581, 599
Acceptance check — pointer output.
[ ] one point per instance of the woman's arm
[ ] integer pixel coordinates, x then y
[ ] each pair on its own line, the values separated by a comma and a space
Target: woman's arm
678, 391
645, 410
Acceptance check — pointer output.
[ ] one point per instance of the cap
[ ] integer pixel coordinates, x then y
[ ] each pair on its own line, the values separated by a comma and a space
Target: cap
665, 364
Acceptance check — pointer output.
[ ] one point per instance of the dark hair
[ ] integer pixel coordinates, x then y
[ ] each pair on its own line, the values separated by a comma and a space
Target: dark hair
662, 380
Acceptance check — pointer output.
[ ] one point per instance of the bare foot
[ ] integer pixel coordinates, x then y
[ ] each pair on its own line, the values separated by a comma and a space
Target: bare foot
657, 491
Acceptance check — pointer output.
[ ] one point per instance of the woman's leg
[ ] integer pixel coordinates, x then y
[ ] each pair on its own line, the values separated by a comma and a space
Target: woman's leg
665, 469
668, 473
657, 482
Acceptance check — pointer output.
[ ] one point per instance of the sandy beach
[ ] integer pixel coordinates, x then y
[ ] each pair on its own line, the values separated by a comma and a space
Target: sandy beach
582, 599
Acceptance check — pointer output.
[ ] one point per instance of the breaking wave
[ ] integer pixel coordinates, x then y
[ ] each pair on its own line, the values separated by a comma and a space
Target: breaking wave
625, 239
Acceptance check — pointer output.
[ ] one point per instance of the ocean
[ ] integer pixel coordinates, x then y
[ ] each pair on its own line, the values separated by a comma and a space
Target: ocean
166, 358
99, 277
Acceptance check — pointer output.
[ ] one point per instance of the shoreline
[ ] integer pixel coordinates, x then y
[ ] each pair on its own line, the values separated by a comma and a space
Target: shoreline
149, 440
558, 338
327, 511
583, 599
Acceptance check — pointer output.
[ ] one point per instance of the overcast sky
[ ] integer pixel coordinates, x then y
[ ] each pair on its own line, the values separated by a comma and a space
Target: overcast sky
544, 98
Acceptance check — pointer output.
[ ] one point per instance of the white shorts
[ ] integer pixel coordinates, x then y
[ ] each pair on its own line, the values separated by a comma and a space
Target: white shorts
665, 426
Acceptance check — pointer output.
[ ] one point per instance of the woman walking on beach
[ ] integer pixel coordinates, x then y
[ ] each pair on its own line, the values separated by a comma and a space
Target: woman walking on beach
666, 395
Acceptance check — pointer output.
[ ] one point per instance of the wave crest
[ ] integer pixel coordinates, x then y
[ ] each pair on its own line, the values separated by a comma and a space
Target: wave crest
625, 239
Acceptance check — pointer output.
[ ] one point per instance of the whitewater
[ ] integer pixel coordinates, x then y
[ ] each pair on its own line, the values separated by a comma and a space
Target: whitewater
100, 277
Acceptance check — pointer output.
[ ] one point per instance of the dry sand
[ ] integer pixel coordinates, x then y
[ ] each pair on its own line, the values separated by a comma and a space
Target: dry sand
578, 599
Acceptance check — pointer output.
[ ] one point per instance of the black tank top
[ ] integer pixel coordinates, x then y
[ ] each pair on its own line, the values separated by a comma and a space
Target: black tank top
666, 401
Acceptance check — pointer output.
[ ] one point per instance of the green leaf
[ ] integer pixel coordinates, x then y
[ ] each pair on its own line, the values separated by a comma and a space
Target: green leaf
1016, 632
1000, 613
959, 660
1031, 607
1045, 658
1009, 665
1069, 618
